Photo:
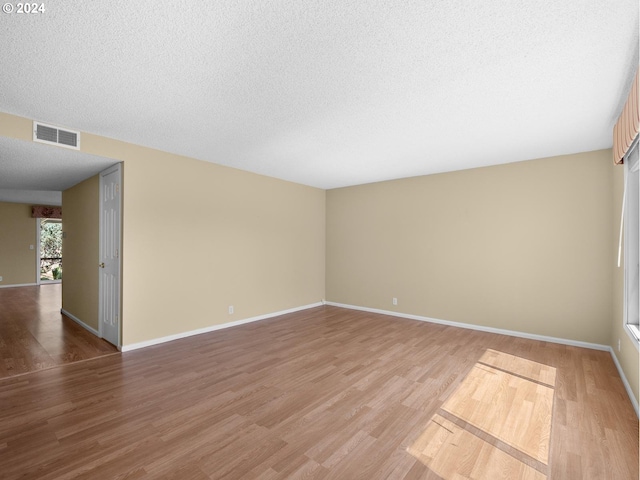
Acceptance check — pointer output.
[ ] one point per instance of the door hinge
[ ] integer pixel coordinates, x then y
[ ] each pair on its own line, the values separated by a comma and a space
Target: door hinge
116, 253
117, 188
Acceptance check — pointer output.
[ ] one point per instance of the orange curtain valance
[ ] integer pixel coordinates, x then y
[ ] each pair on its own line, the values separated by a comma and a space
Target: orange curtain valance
45, 211
627, 127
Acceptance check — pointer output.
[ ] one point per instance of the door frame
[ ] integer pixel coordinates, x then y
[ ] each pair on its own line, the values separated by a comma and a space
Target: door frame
38, 260
114, 168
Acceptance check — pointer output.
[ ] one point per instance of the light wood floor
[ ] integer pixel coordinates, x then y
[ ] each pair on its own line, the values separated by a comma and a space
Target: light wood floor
325, 393
34, 335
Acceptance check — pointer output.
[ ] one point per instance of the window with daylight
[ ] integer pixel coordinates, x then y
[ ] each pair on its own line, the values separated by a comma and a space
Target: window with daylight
50, 250
631, 224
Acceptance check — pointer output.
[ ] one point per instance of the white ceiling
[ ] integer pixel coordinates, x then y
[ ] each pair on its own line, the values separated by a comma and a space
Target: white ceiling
328, 93
37, 173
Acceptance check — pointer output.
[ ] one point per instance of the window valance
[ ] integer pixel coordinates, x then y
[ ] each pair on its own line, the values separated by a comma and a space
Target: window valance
46, 211
628, 124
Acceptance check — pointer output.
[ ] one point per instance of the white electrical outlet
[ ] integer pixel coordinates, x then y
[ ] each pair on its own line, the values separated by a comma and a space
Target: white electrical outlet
395, 301
0, 279
230, 309
619, 346
30, 247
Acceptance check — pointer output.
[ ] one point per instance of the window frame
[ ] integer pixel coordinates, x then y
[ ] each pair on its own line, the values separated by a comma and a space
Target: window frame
631, 165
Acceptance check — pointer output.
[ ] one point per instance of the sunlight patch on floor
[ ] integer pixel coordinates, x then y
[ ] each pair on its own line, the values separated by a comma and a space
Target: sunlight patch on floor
452, 452
497, 424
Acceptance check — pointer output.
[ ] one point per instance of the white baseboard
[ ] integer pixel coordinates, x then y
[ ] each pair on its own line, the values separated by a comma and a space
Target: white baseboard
481, 328
212, 328
20, 285
632, 397
80, 322
512, 333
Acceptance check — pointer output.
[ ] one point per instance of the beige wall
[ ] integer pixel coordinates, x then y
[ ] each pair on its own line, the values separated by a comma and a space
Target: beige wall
199, 237
524, 246
628, 355
17, 232
80, 212
13, 126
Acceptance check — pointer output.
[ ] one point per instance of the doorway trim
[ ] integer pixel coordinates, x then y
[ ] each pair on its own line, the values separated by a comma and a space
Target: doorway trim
38, 261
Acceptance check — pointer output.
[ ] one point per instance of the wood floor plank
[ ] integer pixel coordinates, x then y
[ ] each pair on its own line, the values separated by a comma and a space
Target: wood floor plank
324, 393
513, 409
453, 452
524, 368
34, 335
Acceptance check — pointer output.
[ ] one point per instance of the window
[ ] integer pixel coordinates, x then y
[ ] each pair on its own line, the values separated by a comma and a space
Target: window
50, 250
632, 243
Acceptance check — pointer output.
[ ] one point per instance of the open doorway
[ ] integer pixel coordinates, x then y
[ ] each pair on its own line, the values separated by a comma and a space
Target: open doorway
40, 176
49, 250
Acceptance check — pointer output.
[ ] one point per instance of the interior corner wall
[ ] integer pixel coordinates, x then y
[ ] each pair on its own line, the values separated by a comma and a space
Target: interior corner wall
200, 237
80, 250
18, 233
523, 246
627, 356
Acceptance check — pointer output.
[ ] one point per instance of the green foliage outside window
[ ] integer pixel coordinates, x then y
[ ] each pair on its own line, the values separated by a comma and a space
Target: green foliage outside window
51, 250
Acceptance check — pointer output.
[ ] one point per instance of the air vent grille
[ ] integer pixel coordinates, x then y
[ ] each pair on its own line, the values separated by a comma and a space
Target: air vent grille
54, 135
46, 134
68, 138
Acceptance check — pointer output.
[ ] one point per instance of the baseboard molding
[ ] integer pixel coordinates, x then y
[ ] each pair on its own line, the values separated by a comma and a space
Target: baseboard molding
512, 333
625, 382
481, 328
20, 285
213, 328
80, 322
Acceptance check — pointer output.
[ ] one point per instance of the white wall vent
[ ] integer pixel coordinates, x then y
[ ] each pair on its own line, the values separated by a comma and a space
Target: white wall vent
44, 133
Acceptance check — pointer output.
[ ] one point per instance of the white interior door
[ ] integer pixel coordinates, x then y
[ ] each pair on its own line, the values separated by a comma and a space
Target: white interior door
109, 266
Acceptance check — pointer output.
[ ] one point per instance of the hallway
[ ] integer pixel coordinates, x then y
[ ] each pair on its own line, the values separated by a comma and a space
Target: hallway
34, 335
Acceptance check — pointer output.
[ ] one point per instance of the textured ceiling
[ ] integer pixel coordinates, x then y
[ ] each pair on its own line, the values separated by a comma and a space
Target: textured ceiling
60, 168
328, 93
35, 173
